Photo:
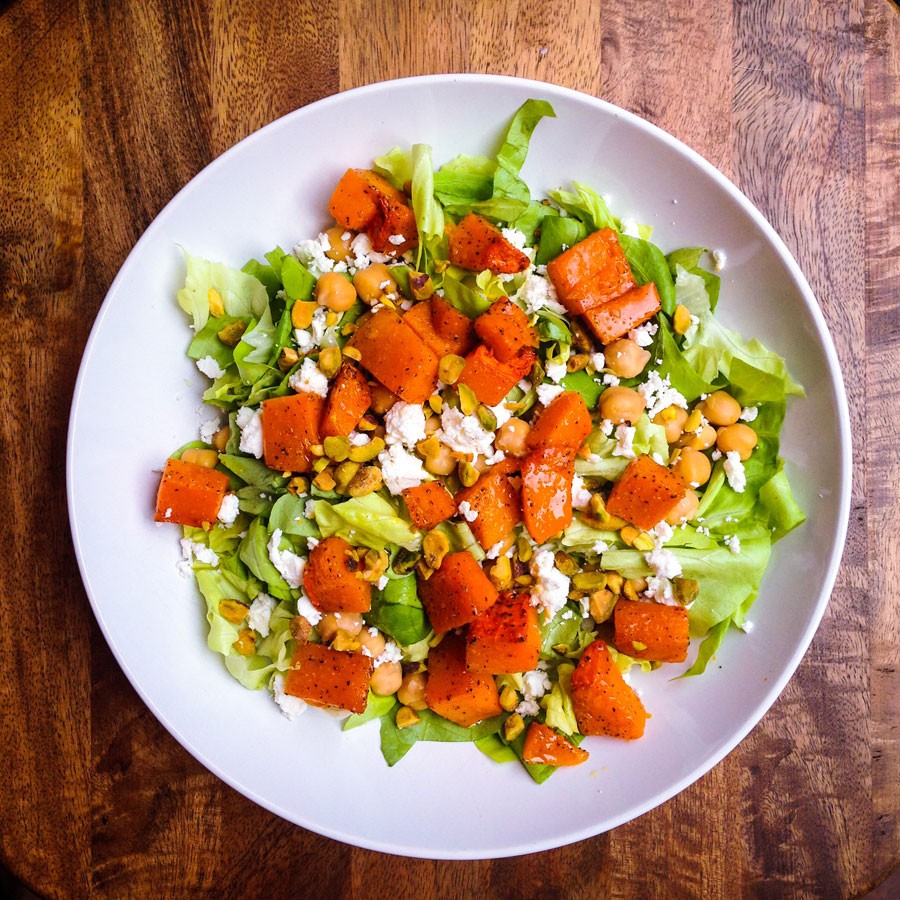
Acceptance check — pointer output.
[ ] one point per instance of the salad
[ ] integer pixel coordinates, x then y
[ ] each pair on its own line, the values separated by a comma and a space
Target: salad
474, 461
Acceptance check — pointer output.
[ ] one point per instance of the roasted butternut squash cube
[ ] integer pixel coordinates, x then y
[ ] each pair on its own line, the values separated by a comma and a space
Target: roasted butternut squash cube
189, 494
645, 493
505, 638
454, 692
429, 504
566, 422
547, 474
348, 399
476, 244
330, 579
495, 500
456, 592
325, 677
615, 318
546, 746
652, 631
489, 378
504, 328
290, 426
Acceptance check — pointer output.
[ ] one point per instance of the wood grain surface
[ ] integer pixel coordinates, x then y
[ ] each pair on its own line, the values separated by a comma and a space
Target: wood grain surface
108, 107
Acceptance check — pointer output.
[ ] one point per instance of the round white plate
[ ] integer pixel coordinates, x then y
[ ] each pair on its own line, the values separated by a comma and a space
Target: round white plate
137, 399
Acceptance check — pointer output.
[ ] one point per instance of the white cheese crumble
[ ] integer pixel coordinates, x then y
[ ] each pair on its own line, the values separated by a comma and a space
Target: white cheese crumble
749, 413
303, 339
260, 614
312, 254
551, 587
382, 582
515, 237
396, 239
733, 543
319, 325
606, 427
289, 565
547, 393
210, 368
600, 547
643, 334
734, 471
610, 380
229, 509
466, 511
660, 590
363, 253
191, 550
309, 510
631, 227
495, 551
307, 610
659, 394
534, 685
404, 423
465, 434
250, 422
581, 496
537, 293
719, 259
391, 653
664, 563
309, 379
290, 706
358, 439
501, 414
208, 429
625, 441
400, 469
556, 371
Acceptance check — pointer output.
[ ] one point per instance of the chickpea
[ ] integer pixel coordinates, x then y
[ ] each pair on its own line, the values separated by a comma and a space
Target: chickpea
621, 404
382, 399
373, 282
685, 510
373, 640
625, 358
693, 466
339, 245
330, 623
739, 437
721, 408
386, 679
443, 463
701, 439
221, 438
412, 690
672, 418
511, 437
432, 425
335, 292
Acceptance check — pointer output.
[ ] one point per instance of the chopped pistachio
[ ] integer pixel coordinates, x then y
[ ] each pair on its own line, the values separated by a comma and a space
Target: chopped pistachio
233, 611
231, 334
216, 305
365, 481
509, 699
435, 546
287, 359
336, 447
513, 727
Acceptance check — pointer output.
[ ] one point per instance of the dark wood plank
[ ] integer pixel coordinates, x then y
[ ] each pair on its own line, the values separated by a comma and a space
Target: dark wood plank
883, 397
44, 621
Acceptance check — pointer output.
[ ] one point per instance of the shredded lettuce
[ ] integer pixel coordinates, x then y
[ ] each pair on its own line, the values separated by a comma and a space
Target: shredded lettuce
243, 296
372, 521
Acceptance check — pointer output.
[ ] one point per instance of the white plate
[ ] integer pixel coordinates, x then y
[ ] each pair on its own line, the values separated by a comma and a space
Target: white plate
137, 398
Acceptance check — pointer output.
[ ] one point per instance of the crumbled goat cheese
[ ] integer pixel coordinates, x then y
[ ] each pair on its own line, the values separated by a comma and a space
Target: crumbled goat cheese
515, 237
643, 334
556, 371
210, 368
312, 254
191, 550
547, 393
524, 385
382, 582
631, 227
466, 511
600, 547
747, 627
307, 610
749, 413
363, 253
625, 441
465, 434
208, 429
733, 543
537, 293
319, 325
396, 239
309, 510
289, 564
260, 614
309, 379
581, 496
664, 563
494, 551
495, 457
534, 685
250, 422
660, 590
606, 427
719, 259
391, 654
610, 380
289, 705
303, 339
400, 469
404, 423
662, 533
659, 394
358, 439
229, 509
551, 587
734, 471
312, 543
716, 455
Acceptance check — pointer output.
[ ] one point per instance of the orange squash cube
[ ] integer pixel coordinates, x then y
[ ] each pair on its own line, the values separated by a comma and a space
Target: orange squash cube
546, 746
615, 318
652, 631
456, 592
495, 498
505, 638
421, 319
454, 692
190, 494
325, 677
291, 425
645, 493
348, 399
429, 504
547, 474
331, 583
603, 702
504, 328
489, 378
476, 244
566, 422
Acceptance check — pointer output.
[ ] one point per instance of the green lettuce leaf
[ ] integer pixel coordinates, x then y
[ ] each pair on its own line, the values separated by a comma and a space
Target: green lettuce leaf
648, 438
397, 611
558, 233
648, 264
243, 296
396, 742
586, 205
289, 514
371, 521
560, 713
376, 707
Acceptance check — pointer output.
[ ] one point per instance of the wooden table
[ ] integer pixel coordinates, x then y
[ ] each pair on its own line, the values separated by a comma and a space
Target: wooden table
108, 108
